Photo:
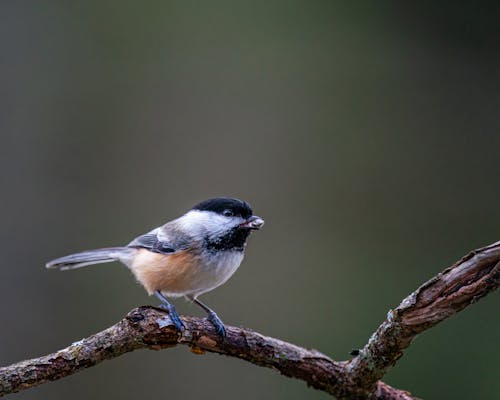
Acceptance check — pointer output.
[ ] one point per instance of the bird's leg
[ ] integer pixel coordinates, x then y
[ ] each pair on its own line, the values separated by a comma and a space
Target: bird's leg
212, 317
171, 311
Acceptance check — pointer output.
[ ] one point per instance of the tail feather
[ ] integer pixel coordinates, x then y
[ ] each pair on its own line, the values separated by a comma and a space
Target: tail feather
89, 257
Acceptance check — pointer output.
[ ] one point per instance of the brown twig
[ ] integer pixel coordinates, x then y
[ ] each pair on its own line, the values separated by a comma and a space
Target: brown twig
149, 328
449, 292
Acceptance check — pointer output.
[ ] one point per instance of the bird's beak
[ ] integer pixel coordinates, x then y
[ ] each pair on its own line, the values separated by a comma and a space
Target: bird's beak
253, 222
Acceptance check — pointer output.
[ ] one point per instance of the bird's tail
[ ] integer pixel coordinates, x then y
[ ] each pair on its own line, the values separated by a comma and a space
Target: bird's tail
90, 257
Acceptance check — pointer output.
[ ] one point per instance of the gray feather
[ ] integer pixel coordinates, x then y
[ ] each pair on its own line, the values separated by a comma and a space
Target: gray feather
89, 257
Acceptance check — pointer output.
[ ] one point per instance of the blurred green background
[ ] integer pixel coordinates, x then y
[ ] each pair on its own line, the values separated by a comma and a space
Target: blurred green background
366, 134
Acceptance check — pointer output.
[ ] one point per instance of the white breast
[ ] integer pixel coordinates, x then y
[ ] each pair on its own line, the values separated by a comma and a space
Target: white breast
217, 270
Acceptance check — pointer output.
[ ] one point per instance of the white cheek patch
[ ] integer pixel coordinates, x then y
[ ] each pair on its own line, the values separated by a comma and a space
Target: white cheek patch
202, 223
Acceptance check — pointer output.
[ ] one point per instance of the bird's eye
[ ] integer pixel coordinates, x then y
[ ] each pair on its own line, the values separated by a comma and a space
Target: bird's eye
227, 213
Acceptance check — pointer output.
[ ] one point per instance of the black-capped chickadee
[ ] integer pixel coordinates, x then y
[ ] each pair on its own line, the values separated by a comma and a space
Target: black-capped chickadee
188, 256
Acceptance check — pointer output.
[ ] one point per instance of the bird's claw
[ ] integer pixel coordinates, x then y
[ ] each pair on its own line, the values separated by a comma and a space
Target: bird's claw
217, 323
172, 313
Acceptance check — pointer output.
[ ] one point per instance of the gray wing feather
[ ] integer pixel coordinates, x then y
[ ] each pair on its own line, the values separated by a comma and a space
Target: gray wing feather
157, 242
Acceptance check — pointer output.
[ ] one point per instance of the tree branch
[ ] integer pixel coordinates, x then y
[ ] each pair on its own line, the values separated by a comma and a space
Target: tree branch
449, 292
149, 328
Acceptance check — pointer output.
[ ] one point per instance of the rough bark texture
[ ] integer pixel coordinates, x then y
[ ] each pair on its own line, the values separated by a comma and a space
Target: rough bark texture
471, 278
449, 292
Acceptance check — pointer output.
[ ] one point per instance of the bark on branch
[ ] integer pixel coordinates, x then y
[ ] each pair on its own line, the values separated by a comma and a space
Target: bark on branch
476, 275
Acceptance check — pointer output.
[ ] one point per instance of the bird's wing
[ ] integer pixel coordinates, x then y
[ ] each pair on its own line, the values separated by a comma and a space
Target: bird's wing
156, 242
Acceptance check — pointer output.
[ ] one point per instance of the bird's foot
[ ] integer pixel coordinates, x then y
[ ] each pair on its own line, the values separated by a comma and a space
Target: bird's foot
172, 313
217, 323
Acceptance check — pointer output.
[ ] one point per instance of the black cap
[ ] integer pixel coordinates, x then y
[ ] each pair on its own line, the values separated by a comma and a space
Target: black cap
221, 204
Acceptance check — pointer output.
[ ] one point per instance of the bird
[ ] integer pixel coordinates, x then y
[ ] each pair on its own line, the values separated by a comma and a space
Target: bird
188, 256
